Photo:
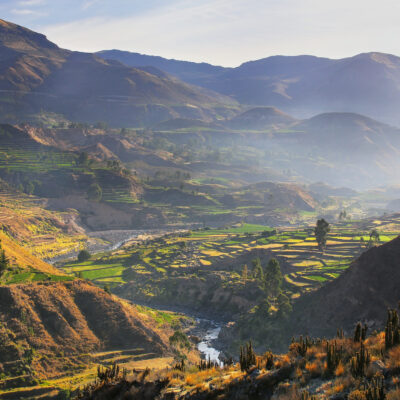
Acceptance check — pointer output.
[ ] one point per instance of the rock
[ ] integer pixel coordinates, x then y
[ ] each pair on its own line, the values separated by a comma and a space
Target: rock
255, 373
377, 367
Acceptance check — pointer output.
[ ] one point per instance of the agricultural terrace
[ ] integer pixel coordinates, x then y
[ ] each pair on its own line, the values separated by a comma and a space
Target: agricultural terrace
223, 252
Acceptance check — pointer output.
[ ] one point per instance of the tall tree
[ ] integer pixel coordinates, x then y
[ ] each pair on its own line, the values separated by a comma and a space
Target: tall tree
4, 261
244, 272
273, 277
321, 232
284, 306
258, 272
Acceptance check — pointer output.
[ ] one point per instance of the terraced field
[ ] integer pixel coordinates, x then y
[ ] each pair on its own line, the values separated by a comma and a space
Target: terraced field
45, 233
222, 252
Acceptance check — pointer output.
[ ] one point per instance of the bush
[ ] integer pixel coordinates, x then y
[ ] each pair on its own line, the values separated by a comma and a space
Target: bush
94, 192
83, 255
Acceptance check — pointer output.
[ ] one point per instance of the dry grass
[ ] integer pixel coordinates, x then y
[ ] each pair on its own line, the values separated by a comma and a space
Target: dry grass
394, 357
314, 368
393, 394
340, 370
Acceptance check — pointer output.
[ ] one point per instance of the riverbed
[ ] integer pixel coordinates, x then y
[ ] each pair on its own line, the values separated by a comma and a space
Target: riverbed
206, 346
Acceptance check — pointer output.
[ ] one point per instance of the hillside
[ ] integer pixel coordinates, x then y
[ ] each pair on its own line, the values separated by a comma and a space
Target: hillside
261, 118
302, 85
362, 293
67, 320
362, 367
36, 75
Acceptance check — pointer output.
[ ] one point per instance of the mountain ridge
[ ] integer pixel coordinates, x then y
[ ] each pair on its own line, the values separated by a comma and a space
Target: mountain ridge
36, 74
304, 85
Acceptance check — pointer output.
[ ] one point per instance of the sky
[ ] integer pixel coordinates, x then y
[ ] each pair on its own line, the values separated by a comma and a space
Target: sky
222, 32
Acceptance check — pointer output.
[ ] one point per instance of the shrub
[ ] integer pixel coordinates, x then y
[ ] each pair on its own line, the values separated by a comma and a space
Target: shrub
83, 255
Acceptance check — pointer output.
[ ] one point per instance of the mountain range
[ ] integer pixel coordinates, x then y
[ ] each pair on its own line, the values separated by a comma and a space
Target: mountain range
301, 85
131, 89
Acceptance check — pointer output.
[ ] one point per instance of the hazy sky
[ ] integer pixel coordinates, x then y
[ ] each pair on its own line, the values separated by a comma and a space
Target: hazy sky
225, 32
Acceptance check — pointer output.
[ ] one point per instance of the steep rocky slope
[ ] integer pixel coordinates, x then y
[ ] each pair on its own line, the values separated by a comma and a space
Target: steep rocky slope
361, 293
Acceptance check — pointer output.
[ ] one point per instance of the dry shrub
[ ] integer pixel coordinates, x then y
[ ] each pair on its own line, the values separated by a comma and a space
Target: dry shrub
394, 357
357, 395
311, 352
338, 387
282, 361
200, 377
286, 391
339, 369
314, 368
342, 384
393, 394
298, 373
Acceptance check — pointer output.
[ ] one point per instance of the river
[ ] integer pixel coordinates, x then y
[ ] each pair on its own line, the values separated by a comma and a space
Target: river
205, 346
110, 240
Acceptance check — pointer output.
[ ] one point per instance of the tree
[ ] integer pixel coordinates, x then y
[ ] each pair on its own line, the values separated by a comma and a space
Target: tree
273, 277
29, 187
82, 158
321, 232
4, 261
263, 308
83, 255
284, 306
373, 238
94, 192
244, 272
258, 272
180, 341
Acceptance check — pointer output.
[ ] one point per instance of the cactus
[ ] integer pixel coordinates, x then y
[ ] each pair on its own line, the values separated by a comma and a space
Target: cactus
270, 360
301, 346
376, 389
360, 333
333, 357
247, 357
392, 329
360, 362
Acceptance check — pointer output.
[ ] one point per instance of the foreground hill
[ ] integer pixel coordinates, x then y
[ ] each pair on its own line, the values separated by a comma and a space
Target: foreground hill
36, 75
302, 85
70, 318
352, 368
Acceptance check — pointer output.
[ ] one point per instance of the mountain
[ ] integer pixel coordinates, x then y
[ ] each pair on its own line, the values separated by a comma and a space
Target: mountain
352, 134
301, 85
260, 118
36, 75
332, 144
187, 71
